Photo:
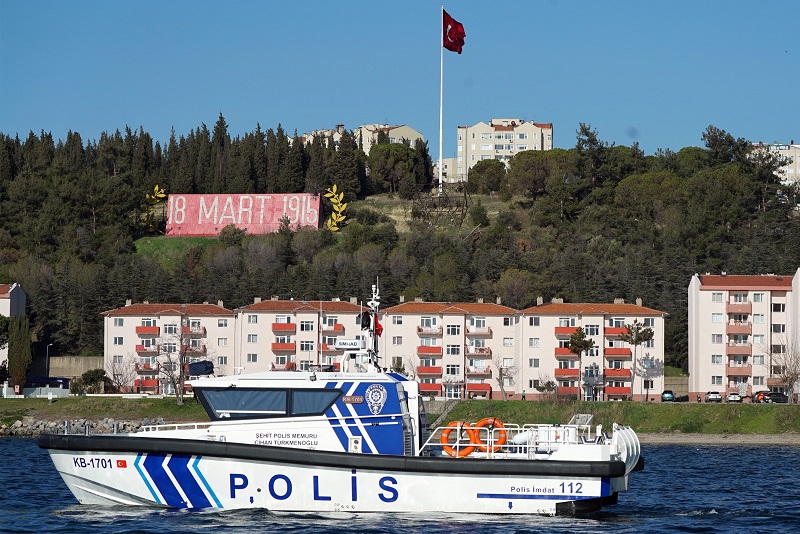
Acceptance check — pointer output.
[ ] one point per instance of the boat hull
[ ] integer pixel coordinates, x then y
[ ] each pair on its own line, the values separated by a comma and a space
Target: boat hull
136, 470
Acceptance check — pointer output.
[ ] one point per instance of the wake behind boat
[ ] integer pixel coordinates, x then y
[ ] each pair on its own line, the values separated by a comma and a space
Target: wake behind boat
354, 439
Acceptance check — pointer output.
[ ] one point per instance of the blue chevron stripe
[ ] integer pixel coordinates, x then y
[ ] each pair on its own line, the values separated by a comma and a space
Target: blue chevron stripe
196, 469
144, 478
154, 465
179, 466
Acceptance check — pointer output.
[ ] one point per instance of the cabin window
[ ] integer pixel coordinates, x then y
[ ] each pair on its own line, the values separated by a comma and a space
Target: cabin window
261, 403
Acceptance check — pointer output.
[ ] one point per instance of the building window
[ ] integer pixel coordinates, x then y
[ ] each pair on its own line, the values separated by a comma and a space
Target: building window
758, 359
716, 359
533, 362
427, 341
508, 321
252, 319
222, 323
508, 341
716, 380
594, 351
758, 297
566, 321
454, 330
222, 360
649, 322
252, 358
149, 322
533, 321
758, 318
616, 364
397, 340
119, 321
118, 341
778, 308
533, 384
648, 384
329, 340
522, 136
533, 342
453, 350
427, 362
650, 343
778, 328
716, 318
306, 326
117, 359
252, 338
592, 329
740, 298
170, 347
306, 346
280, 339
716, 297
616, 322
564, 343
778, 349
478, 322
428, 322
758, 340
758, 380
397, 319
171, 328
283, 319
222, 342
716, 338
522, 147
508, 362
453, 370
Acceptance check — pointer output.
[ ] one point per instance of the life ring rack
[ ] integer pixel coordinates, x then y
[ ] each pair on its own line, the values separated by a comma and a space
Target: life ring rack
456, 450
493, 426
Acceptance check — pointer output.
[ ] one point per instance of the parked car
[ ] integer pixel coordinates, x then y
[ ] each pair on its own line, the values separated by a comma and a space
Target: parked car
713, 396
776, 397
667, 396
758, 397
733, 397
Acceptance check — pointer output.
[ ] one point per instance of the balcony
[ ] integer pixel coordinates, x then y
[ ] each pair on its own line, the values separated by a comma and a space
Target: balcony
567, 390
617, 352
284, 328
615, 330
146, 368
739, 370
475, 331
324, 347
479, 388
194, 349
617, 373
485, 352
148, 330
335, 328
426, 350
431, 388
565, 331
739, 307
562, 352
146, 384
739, 327
150, 349
284, 347
567, 373
775, 381
429, 330
478, 372
616, 391
193, 331
428, 371
740, 349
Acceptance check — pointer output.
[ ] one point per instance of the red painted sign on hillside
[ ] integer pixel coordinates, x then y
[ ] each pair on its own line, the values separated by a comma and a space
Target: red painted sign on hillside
206, 215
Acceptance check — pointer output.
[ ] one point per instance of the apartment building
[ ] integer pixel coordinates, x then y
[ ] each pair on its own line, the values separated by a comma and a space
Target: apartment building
500, 140
741, 330
612, 370
367, 135
294, 334
12, 304
454, 349
790, 171
140, 338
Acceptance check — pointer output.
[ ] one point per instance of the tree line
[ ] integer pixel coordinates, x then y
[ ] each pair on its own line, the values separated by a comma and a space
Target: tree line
587, 224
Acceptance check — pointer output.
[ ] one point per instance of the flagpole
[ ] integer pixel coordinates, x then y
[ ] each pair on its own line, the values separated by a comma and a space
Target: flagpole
441, 91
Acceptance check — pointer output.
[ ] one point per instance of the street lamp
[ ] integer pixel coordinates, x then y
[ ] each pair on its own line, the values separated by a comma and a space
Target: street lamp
47, 362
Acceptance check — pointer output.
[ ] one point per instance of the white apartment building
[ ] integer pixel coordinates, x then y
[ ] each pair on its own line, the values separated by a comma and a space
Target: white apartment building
367, 135
613, 370
790, 172
740, 329
138, 338
294, 334
500, 139
454, 349
12, 304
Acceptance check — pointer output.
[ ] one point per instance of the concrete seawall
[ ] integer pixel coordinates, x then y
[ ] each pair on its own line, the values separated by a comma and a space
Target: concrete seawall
28, 427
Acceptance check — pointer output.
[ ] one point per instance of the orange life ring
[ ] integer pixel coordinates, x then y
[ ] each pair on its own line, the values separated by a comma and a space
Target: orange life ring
457, 452
491, 423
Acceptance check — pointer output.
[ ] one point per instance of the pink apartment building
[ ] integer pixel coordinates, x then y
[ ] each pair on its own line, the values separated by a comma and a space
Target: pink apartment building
740, 330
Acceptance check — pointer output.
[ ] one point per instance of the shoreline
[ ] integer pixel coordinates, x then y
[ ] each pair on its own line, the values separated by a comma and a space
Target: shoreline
746, 440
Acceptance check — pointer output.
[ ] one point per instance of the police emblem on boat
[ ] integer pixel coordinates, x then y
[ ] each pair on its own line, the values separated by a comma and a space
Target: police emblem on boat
376, 398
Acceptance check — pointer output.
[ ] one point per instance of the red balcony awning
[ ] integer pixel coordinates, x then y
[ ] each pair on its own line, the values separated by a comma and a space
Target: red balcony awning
479, 387
566, 330
615, 330
426, 350
435, 388
147, 330
617, 373
284, 327
617, 351
283, 347
429, 370
567, 372
617, 391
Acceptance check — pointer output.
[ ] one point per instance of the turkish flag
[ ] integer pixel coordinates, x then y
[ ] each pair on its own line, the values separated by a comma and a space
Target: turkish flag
453, 33
378, 327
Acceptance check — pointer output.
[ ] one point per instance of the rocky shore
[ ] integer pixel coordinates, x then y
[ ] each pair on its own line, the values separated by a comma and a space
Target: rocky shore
28, 427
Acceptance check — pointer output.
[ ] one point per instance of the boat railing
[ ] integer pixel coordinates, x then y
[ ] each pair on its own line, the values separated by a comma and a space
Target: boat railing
174, 426
509, 441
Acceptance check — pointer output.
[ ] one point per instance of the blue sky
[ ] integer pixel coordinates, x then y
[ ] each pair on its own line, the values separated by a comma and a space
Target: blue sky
654, 72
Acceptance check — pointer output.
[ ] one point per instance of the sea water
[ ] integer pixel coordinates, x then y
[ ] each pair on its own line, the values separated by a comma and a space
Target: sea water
683, 488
